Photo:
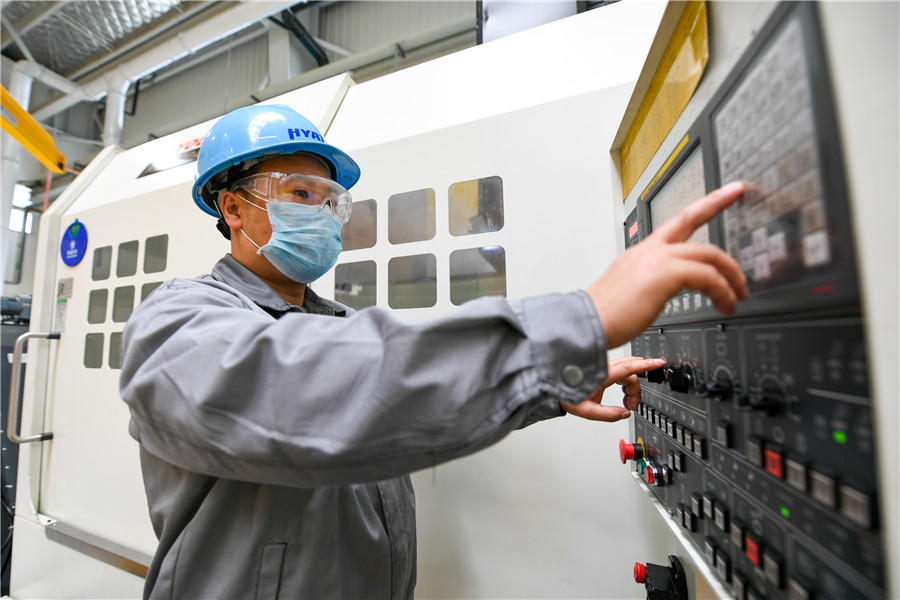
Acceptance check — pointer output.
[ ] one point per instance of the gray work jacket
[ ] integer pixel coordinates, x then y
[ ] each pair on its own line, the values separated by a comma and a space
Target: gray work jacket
276, 440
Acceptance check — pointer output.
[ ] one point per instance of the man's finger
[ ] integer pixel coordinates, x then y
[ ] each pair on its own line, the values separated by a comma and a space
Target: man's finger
718, 258
680, 227
621, 369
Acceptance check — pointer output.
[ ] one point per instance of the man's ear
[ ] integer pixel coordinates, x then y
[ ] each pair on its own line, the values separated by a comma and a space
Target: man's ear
231, 209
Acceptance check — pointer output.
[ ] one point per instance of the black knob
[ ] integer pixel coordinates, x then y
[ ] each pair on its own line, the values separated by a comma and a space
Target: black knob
680, 380
657, 375
720, 389
767, 402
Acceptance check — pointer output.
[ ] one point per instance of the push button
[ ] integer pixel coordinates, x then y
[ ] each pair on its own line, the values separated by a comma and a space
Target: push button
796, 474
723, 434
822, 488
856, 506
697, 505
699, 447
774, 462
751, 549
708, 504
723, 565
797, 591
740, 587
771, 566
678, 433
572, 375
737, 536
721, 517
754, 451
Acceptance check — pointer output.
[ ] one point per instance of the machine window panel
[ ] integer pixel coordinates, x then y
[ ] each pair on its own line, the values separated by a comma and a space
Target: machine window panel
155, 253
359, 231
412, 281
476, 206
411, 216
93, 350
477, 272
123, 303
126, 263
97, 302
115, 350
149, 287
354, 284
102, 262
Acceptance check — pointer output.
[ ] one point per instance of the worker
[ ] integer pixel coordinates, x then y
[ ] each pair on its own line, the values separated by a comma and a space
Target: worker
277, 429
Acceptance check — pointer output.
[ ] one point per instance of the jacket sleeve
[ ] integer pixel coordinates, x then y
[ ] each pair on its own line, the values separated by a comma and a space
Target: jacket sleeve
312, 400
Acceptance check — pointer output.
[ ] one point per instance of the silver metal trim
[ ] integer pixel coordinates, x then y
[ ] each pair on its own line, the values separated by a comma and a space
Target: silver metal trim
12, 424
127, 559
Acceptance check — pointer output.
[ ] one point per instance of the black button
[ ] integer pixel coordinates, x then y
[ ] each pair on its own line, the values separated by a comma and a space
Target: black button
721, 517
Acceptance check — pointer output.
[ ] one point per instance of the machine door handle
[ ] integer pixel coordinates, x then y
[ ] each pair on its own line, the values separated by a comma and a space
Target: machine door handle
12, 424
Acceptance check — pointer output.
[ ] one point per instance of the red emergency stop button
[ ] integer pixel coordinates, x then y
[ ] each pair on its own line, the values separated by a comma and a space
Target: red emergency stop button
630, 451
640, 573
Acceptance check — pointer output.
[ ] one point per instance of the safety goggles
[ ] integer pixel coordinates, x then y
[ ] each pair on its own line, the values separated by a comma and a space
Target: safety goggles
317, 193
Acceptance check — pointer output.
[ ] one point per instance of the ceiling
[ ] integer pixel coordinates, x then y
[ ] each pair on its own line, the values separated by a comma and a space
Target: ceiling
75, 38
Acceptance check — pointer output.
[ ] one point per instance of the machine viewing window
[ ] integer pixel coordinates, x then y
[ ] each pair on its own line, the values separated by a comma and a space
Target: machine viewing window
149, 287
93, 350
476, 206
477, 272
411, 216
412, 281
97, 302
115, 350
123, 303
359, 231
682, 188
354, 284
155, 253
766, 136
101, 264
126, 263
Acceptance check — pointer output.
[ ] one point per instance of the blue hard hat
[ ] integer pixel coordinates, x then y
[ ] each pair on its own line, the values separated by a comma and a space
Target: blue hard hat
254, 133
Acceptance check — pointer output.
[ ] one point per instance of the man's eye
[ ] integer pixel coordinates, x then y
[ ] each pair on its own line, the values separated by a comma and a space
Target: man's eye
302, 194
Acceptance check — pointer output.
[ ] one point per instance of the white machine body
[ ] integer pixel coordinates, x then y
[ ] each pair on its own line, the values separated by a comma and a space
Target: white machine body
548, 512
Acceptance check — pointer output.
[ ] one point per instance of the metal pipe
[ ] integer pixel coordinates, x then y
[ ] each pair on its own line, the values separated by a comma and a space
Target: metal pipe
379, 53
167, 52
114, 120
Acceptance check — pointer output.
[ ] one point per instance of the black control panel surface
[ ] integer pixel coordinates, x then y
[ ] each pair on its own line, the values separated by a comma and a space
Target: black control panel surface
757, 435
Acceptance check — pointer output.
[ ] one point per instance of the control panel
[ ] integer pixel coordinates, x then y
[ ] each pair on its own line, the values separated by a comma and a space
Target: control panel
757, 435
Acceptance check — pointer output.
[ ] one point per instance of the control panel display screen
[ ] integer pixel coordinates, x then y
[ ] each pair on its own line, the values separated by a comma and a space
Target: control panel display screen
766, 136
685, 186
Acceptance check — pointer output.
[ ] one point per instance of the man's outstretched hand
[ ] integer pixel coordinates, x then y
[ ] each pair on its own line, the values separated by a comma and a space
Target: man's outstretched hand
635, 287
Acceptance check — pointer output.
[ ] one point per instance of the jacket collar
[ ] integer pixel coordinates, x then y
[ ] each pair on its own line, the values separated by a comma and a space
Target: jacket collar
233, 273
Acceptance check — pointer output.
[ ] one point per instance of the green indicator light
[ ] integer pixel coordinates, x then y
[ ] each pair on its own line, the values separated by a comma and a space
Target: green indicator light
785, 512
840, 436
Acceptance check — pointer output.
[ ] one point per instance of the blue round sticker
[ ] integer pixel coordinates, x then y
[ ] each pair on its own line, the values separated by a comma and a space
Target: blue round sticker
74, 243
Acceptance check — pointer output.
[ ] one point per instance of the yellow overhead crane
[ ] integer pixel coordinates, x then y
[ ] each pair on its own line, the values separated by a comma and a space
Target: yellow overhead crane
22, 126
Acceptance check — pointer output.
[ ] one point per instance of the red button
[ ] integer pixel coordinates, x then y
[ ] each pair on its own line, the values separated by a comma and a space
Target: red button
752, 549
629, 451
648, 474
640, 573
775, 463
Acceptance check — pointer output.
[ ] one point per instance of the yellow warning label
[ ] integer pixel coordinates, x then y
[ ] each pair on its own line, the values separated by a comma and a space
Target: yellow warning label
670, 89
